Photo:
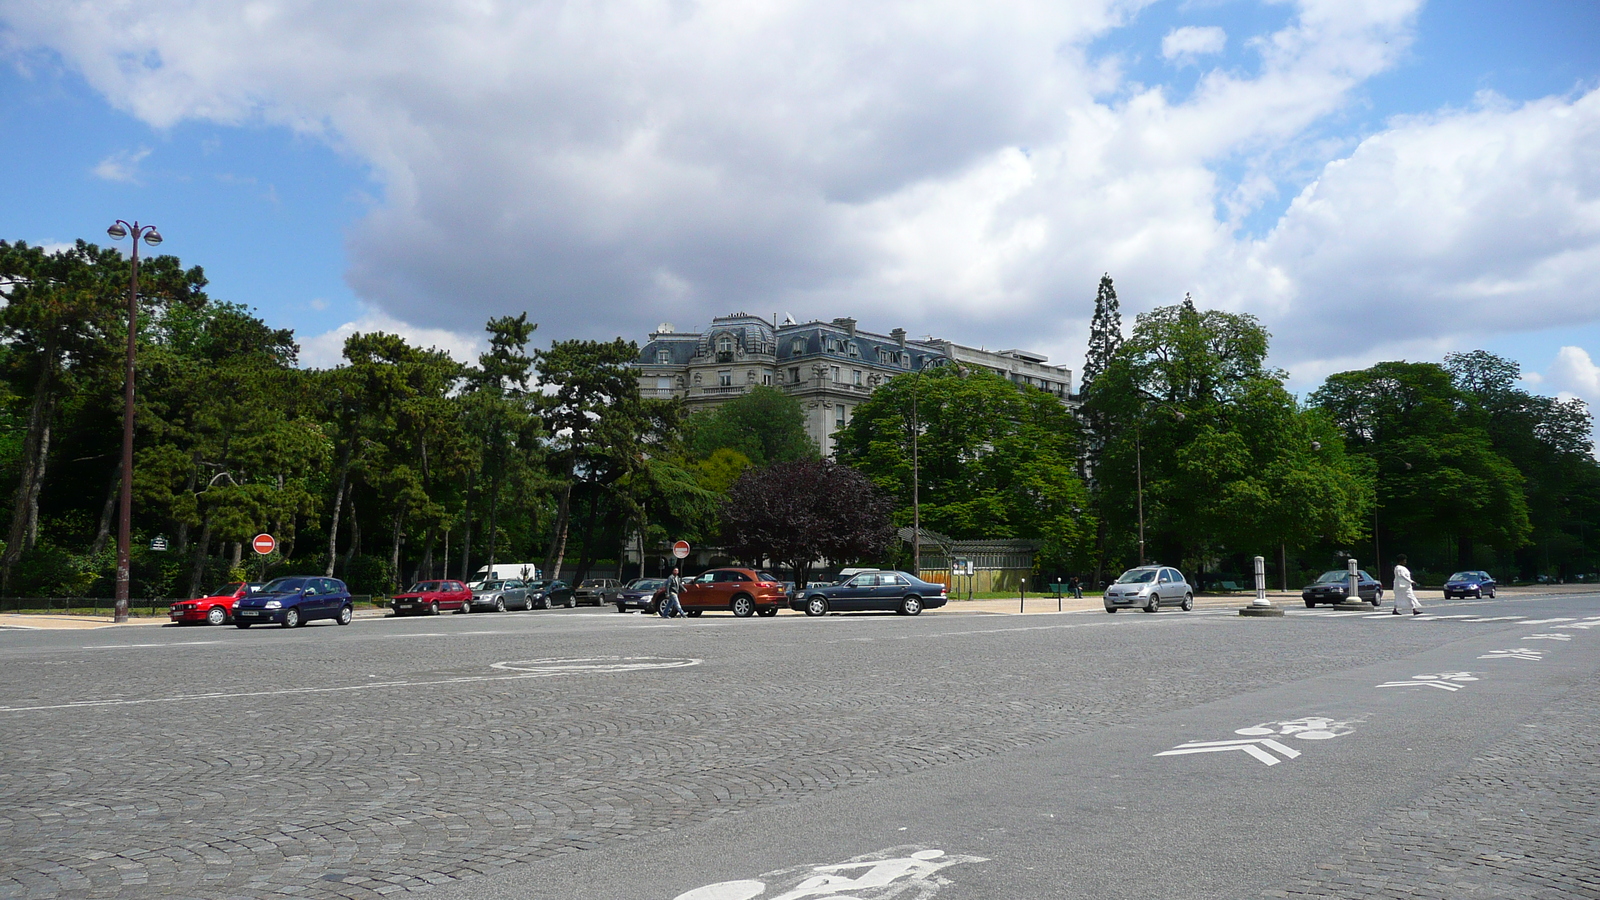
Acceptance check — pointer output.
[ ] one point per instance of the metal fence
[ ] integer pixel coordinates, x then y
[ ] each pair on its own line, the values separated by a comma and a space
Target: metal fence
104, 606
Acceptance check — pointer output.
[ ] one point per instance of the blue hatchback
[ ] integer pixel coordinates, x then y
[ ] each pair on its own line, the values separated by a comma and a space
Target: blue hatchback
294, 601
1477, 584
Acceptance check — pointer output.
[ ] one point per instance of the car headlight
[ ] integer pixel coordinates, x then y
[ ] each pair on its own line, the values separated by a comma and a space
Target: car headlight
274, 604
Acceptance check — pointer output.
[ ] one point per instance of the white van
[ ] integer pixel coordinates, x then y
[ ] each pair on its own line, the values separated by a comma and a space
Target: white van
504, 571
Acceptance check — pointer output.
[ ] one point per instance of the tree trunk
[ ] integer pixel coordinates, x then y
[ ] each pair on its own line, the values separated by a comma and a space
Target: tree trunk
31, 479
38, 483
1464, 554
103, 533
235, 555
355, 536
188, 490
424, 567
585, 555
558, 535
466, 531
338, 504
394, 547
494, 512
201, 548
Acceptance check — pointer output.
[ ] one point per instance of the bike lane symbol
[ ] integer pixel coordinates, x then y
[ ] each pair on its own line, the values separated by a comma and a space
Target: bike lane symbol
878, 876
1262, 742
1444, 681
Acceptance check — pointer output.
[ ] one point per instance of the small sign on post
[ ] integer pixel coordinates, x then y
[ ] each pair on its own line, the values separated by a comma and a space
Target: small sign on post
681, 549
264, 544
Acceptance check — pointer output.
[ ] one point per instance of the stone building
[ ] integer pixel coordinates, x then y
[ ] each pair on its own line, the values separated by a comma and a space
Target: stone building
831, 367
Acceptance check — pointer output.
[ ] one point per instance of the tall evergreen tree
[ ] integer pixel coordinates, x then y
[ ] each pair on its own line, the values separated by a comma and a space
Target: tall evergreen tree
1105, 333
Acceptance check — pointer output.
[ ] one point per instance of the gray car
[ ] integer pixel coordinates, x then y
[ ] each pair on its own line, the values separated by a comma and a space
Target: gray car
1149, 588
499, 596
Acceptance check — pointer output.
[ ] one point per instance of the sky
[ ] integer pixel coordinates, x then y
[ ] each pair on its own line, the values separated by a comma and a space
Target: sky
1372, 179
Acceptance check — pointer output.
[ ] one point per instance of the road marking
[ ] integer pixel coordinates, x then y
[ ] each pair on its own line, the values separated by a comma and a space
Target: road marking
1548, 637
235, 695
1445, 681
1517, 653
128, 646
597, 664
1249, 746
1496, 619
894, 872
1546, 621
1582, 626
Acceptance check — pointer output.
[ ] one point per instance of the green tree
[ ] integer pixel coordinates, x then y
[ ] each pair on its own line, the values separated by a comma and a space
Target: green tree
765, 426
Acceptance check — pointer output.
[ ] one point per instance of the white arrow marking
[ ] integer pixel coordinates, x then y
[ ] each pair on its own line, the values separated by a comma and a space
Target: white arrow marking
1248, 746
1442, 685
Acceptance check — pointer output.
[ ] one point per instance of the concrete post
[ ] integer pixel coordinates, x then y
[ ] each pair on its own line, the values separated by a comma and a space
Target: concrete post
1260, 606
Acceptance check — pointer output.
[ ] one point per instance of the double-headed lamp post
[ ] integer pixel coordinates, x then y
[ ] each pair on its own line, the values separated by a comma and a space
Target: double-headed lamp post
119, 230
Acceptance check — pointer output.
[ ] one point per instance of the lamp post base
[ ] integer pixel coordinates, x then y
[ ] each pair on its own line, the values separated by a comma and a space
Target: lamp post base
1262, 611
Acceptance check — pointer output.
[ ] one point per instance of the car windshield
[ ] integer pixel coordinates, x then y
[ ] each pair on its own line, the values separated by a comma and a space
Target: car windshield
284, 585
423, 587
646, 584
538, 584
485, 585
1466, 576
766, 576
1333, 576
594, 582
226, 589
1137, 576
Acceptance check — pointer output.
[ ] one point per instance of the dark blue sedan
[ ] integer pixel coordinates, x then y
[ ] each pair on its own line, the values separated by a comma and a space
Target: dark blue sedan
899, 592
1476, 583
294, 601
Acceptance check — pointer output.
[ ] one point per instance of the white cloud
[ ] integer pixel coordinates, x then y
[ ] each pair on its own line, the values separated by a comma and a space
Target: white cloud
326, 350
121, 166
1575, 373
1186, 43
947, 168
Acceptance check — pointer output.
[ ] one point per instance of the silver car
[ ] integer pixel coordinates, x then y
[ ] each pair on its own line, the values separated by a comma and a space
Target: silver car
498, 596
1149, 588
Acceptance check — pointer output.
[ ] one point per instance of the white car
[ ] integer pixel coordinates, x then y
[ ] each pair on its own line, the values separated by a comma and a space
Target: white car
1149, 588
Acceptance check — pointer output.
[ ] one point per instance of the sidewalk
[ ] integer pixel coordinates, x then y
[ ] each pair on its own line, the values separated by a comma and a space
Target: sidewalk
47, 622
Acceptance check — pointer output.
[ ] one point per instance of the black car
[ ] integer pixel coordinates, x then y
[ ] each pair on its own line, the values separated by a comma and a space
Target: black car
552, 593
1333, 586
899, 592
294, 601
639, 594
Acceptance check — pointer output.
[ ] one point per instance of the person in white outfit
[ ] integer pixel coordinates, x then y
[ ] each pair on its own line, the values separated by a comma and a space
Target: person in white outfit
1405, 590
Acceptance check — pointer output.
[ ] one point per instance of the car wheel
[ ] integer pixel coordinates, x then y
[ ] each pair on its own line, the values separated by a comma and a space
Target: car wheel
911, 605
1111, 609
499, 604
622, 608
527, 604
291, 618
572, 604
743, 607
1311, 604
216, 615
466, 606
817, 606
346, 614
1491, 593
243, 624
433, 608
1188, 602
1154, 603
1478, 594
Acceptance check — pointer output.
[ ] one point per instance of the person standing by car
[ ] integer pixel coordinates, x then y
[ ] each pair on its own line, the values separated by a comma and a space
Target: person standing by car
1405, 590
670, 607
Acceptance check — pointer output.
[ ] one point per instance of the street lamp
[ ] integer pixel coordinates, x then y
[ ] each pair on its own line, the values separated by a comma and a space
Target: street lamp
119, 230
1138, 462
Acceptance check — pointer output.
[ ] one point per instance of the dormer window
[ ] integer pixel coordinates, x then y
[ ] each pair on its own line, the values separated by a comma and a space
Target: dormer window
663, 357
725, 344
853, 349
883, 356
798, 347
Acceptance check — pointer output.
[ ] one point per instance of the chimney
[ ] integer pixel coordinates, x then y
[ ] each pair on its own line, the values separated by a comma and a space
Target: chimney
849, 326
899, 335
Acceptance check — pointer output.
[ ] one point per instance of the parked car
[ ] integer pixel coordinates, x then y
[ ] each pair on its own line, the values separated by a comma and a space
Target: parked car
877, 591
639, 594
431, 598
215, 608
743, 592
1477, 583
293, 601
547, 594
499, 596
593, 591
1333, 586
1149, 588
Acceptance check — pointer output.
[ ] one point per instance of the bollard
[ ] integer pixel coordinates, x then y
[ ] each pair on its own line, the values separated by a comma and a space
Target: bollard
1259, 606
1352, 597
1022, 594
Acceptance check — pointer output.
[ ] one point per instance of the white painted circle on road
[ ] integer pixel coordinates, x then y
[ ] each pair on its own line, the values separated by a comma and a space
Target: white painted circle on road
597, 664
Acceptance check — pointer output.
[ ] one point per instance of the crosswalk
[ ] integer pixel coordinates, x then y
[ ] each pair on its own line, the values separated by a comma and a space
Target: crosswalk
1583, 623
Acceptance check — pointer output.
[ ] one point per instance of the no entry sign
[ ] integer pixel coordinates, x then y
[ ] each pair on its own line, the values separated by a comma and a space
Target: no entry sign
680, 549
264, 544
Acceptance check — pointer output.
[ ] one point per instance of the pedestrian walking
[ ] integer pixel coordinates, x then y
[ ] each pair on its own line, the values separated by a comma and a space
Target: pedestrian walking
1405, 590
1077, 588
670, 607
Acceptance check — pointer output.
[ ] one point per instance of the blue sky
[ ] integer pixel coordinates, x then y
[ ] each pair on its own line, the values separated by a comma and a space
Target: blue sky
1333, 168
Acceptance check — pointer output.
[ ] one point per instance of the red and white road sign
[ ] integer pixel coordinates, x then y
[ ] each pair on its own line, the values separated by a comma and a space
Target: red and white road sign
264, 544
681, 549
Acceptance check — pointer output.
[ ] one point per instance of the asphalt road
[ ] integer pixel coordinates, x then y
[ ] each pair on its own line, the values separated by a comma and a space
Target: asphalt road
571, 754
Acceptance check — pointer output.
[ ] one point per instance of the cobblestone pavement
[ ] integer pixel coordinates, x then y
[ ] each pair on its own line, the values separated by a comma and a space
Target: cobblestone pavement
389, 757
1522, 821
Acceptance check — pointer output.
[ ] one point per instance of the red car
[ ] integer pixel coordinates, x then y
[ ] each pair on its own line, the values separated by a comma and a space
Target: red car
214, 609
431, 598
743, 592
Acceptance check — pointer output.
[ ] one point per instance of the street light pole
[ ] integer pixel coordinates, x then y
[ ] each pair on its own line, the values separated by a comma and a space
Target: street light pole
916, 481
1138, 462
119, 230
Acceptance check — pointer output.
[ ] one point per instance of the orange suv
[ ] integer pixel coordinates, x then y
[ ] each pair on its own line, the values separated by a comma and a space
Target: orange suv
743, 592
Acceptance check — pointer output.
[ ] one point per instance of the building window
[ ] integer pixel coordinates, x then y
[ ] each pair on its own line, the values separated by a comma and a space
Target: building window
883, 356
766, 378
905, 360
853, 349
663, 384
798, 346
725, 378
834, 371
855, 377
724, 344
839, 415
794, 374
663, 357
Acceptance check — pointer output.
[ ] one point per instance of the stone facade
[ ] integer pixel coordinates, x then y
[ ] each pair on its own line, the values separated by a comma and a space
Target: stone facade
831, 367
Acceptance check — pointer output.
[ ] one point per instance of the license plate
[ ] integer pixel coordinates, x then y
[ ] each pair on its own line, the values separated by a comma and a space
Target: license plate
248, 613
